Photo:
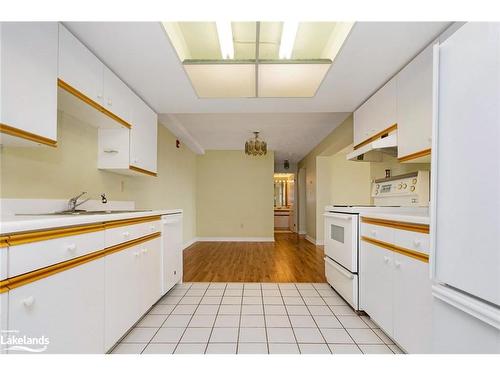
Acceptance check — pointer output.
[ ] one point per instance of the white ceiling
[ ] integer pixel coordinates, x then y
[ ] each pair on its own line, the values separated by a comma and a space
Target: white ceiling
291, 135
141, 54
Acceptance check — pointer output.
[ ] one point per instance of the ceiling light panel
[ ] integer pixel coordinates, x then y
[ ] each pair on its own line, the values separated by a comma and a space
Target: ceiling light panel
225, 33
288, 34
222, 80
290, 80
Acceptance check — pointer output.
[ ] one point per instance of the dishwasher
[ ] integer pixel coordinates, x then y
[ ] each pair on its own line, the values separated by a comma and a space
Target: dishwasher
171, 250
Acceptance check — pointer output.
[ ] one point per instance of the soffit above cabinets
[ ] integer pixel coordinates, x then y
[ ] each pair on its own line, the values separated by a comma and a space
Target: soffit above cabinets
256, 59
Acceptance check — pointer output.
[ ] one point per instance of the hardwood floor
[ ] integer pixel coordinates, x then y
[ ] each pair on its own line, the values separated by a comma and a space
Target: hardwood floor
289, 259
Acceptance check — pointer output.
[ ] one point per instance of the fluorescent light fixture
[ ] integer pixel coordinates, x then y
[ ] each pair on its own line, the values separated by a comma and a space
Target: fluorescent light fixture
288, 35
225, 33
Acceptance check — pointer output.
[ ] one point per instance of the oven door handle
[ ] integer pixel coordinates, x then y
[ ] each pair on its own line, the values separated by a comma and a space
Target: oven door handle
346, 217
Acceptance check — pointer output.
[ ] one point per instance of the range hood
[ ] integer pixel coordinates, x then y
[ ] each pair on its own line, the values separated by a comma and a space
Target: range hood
373, 151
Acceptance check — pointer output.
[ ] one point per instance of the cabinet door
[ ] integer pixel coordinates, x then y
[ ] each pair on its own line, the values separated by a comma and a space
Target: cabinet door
117, 96
143, 136
29, 77
377, 113
79, 67
123, 293
151, 272
414, 84
67, 308
412, 304
376, 278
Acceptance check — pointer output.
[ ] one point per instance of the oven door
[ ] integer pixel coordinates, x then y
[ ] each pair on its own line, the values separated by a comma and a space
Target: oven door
341, 239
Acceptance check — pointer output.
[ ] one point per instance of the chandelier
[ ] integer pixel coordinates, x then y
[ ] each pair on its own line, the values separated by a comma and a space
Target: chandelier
255, 146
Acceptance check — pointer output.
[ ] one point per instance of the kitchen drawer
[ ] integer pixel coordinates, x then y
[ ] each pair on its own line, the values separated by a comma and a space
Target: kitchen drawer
114, 236
412, 240
376, 232
344, 282
35, 255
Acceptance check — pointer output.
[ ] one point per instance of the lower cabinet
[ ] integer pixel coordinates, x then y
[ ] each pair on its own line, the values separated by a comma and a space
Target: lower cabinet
67, 308
172, 251
376, 277
395, 290
133, 285
412, 304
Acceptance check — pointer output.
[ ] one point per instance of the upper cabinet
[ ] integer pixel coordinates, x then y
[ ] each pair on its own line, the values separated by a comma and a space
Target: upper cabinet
80, 68
377, 114
28, 83
414, 85
143, 136
89, 90
404, 103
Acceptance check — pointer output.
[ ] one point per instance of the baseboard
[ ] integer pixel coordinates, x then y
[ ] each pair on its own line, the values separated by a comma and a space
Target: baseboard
302, 232
235, 239
320, 243
189, 243
310, 239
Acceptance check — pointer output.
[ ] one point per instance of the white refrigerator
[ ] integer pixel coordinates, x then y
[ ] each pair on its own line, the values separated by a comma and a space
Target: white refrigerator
465, 204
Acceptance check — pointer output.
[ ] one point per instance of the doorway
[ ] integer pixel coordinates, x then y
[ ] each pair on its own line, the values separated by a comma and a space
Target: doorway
284, 202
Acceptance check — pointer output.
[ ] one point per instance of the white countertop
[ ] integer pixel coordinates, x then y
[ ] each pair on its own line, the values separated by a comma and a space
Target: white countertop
415, 217
23, 223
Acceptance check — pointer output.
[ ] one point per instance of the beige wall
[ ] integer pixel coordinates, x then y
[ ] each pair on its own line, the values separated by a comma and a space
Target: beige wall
377, 170
59, 173
338, 139
235, 195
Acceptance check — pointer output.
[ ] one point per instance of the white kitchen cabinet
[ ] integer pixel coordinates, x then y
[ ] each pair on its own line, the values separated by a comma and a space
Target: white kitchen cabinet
378, 113
28, 81
67, 308
414, 100
123, 289
395, 288
171, 250
133, 282
151, 273
131, 151
4, 308
117, 97
376, 275
80, 68
143, 136
412, 304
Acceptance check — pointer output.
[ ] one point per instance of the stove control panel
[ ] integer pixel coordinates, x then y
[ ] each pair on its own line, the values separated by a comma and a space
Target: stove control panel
410, 189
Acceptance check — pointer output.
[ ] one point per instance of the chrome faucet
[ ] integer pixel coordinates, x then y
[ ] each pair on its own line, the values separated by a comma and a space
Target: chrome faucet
73, 202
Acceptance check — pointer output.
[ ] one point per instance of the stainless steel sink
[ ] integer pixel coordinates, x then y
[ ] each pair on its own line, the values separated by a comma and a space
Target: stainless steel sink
84, 212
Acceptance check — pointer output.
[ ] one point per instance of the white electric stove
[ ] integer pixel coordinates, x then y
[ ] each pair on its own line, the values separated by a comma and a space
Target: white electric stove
404, 194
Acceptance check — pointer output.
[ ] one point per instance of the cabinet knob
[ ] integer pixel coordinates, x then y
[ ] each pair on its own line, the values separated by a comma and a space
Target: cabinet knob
144, 251
397, 264
417, 243
71, 248
126, 234
136, 254
386, 259
28, 302
99, 96
110, 102
374, 233
152, 228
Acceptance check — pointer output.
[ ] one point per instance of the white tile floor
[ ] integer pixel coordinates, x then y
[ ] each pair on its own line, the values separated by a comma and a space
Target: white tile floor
254, 318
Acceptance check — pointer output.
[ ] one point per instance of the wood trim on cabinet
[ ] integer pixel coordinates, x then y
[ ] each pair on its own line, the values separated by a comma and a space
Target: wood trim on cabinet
29, 277
139, 220
380, 134
415, 155
50, 234
398, 249
10, 130
421, 228
84, 98
140, 170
